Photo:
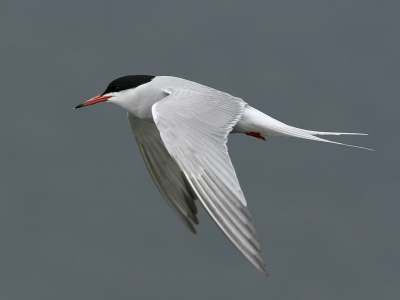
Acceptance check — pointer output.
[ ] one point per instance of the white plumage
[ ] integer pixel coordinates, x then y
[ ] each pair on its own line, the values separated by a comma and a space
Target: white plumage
181, 128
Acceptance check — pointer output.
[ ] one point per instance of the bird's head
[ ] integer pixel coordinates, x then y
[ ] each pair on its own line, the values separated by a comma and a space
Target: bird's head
118, 90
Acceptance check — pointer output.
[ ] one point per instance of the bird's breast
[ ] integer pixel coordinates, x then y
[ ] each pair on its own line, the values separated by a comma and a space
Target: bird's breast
141, 101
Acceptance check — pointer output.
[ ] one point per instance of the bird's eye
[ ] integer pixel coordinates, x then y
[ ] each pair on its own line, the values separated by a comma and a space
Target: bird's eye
117, 88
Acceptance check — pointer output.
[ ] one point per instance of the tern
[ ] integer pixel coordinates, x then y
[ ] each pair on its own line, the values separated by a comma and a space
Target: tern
182, 129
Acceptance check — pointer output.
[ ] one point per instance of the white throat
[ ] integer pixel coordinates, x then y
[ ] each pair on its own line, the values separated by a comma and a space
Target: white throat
138, 101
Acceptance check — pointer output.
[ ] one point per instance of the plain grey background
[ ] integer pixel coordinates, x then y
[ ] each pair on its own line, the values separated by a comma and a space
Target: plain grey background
80, 216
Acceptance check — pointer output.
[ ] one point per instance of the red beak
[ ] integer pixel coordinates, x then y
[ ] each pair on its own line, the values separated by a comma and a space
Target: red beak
94, 100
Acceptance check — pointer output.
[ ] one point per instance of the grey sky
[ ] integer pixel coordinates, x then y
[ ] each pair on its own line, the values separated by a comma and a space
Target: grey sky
81, 218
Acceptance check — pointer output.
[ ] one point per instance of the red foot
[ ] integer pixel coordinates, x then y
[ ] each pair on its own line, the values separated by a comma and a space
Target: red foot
256, 135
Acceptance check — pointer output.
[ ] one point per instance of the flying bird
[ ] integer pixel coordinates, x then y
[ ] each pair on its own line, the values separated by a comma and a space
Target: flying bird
181, 128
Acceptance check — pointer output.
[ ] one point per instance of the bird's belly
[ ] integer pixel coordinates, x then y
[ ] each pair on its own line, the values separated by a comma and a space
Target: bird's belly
256, 122
245, 123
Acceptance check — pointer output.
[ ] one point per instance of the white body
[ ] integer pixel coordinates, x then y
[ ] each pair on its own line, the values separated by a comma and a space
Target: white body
139, 102
181, 128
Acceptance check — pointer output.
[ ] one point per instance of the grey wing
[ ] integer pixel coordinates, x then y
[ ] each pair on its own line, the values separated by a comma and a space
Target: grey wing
165, 172
194, 125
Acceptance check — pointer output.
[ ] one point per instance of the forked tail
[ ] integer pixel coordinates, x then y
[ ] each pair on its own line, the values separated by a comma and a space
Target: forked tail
254, 122
311, 135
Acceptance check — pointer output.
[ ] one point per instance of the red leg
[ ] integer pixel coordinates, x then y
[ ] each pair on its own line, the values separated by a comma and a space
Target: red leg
256, 135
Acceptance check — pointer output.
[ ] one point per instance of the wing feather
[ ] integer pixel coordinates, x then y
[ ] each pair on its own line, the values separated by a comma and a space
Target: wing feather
165, 172
194, 125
